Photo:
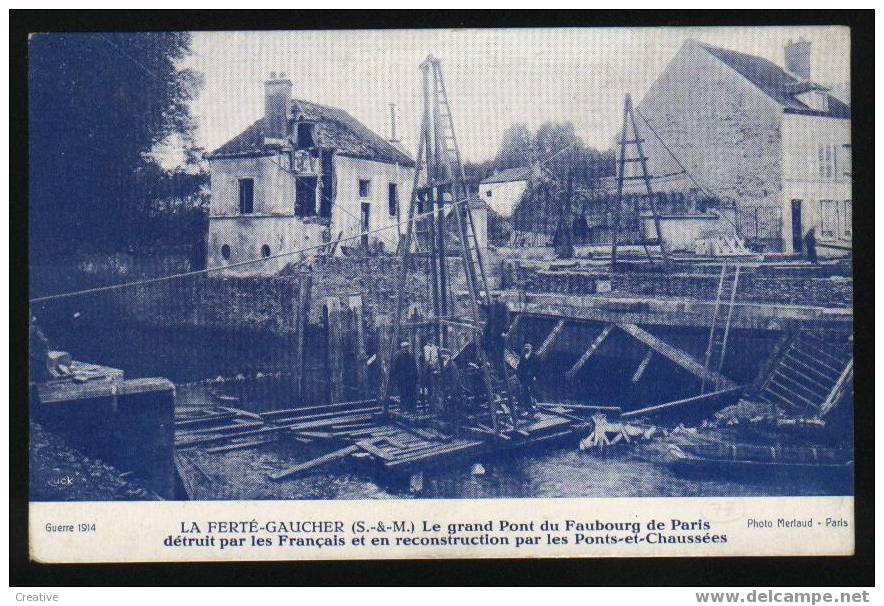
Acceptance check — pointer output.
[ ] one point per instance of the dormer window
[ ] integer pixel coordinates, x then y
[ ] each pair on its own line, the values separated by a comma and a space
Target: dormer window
305, 135
816, 100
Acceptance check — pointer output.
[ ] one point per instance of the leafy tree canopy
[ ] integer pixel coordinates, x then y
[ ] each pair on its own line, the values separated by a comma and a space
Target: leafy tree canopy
99, 103
556, 145
516, 148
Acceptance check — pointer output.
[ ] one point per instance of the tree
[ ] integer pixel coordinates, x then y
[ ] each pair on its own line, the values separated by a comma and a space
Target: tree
516, 148
476, 172
552, 204
98, 105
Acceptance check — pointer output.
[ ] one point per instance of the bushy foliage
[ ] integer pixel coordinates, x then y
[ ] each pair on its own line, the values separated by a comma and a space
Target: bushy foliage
99, 105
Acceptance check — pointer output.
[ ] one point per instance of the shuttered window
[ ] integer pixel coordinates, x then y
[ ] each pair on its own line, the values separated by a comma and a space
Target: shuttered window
828, 219
246, 196
393, 199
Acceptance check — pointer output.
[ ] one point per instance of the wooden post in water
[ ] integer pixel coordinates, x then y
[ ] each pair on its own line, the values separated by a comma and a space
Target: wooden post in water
417, 337
302, 318
359, 344
335, 340
382, 357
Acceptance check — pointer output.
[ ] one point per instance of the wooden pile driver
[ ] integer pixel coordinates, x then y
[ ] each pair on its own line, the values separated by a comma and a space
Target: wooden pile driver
627, 141
440, 195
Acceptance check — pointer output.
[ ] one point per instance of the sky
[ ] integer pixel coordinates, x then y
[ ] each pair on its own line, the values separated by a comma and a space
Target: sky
494, 77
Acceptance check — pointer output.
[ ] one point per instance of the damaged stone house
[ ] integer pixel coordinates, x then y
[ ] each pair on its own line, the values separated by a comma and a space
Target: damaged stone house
302, 175
766, 140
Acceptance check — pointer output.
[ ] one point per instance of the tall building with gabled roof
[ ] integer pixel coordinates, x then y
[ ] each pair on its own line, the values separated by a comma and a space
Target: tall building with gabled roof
765, 137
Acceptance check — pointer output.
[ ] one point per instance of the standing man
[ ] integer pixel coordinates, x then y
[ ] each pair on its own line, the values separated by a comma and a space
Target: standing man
526, 371
810, 245
497, 320
39, 352
404, 374
453, 393
432, 369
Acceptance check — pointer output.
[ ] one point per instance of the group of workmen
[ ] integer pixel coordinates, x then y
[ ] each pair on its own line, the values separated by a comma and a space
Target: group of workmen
436, 378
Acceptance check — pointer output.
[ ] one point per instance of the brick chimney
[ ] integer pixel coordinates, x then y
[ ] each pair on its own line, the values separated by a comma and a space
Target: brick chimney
277, 106
798, 58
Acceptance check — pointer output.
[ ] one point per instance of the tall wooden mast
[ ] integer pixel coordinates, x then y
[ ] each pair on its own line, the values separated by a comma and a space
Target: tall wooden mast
635, 140
440, 195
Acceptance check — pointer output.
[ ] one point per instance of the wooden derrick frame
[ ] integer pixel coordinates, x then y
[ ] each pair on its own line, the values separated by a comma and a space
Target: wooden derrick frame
642, 160
439, 161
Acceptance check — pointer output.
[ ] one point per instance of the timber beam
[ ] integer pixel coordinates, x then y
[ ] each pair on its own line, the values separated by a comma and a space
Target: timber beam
512, 328
551, 338
636, 377
676, 355
588, 353
650, 311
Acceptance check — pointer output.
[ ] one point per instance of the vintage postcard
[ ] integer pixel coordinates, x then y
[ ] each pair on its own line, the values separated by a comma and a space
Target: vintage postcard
442, 293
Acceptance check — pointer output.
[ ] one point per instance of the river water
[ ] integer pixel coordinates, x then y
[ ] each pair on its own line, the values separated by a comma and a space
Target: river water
187, 359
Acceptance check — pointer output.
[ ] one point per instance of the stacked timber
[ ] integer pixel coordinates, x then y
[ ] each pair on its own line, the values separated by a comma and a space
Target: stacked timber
358, 430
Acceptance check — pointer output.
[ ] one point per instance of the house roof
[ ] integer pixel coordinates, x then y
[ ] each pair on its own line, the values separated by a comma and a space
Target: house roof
335, 129
776, 82
521, 173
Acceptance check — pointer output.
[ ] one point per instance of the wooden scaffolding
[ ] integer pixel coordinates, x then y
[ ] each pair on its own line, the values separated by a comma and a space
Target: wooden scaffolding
440, 196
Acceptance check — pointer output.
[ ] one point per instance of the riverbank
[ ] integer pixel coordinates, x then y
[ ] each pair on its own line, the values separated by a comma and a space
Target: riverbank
61, 473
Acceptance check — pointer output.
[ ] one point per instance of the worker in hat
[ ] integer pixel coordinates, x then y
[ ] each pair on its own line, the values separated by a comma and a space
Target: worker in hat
431, 367
453, 397
403, 374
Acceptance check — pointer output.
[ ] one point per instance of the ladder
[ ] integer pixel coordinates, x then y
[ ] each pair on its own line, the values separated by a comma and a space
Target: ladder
440, 187
716, 349
641, 159
451, 151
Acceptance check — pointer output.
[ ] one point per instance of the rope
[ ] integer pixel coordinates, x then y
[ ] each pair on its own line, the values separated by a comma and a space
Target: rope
705, 190
200, 272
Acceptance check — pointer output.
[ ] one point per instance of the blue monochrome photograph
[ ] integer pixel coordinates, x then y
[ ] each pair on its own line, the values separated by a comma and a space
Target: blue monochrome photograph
440, 264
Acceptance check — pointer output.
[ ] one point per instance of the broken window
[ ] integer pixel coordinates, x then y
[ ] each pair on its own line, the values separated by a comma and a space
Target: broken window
246, 196
326, 195
305, 196
364, 188
305, 135
393, 200
265, 251
225, 252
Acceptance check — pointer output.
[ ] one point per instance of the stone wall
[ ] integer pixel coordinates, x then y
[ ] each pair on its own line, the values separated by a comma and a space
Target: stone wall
834, 291
347, 209
723, 129
819, 286
376, 278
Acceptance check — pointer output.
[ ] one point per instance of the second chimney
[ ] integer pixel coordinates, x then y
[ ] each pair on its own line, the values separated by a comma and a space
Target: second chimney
277, 106
798, 58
